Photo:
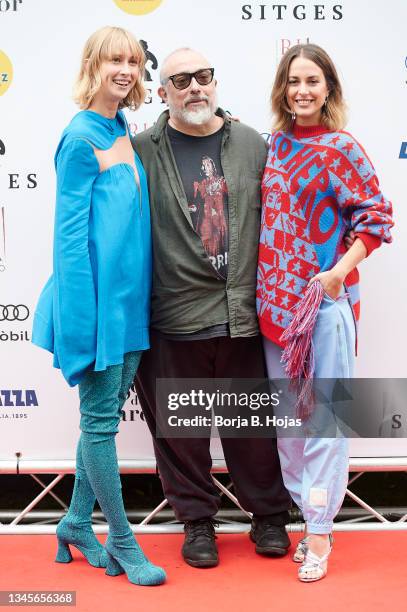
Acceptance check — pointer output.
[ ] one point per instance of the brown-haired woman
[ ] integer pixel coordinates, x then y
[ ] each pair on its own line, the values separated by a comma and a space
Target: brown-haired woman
318, 184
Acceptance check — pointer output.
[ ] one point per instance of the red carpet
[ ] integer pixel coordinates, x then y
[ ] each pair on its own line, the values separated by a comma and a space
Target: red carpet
367, 572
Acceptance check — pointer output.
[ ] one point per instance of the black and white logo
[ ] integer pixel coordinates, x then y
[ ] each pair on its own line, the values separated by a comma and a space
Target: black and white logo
9, 312
150, 58
10, 6
278, 12
12, 313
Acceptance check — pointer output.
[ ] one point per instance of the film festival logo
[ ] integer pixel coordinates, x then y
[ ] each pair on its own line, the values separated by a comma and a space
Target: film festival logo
2, 224
2, 239
13, 181
10, 6
6, 77
282, 45
138, 7
149, 76
150, 59
300, 12
132, 411
403, 148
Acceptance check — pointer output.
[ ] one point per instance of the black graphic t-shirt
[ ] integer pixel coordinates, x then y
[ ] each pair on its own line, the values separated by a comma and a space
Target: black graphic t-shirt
199, 165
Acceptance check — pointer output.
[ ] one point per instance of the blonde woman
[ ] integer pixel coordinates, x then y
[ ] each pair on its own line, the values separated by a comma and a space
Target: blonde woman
318, 184
93, 313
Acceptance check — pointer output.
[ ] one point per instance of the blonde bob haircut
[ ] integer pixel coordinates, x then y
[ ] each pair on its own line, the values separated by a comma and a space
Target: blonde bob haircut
333, 114
102, 46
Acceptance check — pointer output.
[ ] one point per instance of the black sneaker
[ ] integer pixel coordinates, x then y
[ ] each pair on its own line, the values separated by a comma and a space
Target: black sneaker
199, 549
270, 539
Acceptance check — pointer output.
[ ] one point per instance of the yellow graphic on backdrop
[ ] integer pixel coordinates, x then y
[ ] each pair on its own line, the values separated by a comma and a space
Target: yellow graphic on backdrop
138, 7
6, 73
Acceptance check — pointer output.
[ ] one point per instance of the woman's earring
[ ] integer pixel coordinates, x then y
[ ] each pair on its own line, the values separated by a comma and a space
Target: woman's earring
293, 116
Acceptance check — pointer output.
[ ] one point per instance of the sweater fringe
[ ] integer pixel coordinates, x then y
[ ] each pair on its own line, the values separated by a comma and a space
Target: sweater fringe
298, 355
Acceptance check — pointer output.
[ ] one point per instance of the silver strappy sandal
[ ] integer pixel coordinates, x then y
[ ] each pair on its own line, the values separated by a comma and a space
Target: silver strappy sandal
317, 565
300, 551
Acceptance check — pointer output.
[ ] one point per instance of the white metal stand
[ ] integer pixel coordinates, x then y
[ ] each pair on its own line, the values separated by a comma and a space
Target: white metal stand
60, 468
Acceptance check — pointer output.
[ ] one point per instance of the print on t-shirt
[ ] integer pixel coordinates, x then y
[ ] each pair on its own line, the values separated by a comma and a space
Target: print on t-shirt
199, 164
209, 213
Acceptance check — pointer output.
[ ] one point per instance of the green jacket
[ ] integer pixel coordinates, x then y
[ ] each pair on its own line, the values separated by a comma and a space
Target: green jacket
187, 293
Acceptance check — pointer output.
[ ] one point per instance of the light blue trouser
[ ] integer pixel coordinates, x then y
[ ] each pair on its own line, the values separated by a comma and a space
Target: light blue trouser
315, 470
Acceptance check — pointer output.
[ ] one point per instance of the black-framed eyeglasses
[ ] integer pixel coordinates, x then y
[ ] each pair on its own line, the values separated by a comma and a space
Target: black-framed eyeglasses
182, 80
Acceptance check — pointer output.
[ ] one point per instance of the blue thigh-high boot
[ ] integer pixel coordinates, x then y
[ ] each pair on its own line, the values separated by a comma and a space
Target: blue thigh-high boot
76, 526
101, 399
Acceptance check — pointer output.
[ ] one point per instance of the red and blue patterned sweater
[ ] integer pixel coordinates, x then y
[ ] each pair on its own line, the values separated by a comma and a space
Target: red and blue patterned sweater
316, 185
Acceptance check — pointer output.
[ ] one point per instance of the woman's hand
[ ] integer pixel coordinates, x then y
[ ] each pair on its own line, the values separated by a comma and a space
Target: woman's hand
349, 238
331, 282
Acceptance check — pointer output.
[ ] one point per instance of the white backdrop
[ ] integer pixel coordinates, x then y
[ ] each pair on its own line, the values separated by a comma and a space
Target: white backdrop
43, 40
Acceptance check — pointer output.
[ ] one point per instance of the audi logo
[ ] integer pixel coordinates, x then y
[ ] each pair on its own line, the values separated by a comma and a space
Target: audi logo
14, 313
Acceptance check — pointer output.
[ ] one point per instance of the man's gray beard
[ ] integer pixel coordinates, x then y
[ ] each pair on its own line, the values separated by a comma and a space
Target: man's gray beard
198, 117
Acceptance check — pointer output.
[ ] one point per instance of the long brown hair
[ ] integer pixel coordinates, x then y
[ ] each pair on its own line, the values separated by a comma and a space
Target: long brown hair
333, 112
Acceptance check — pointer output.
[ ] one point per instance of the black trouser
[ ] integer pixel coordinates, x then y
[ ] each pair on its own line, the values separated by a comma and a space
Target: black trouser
184, 464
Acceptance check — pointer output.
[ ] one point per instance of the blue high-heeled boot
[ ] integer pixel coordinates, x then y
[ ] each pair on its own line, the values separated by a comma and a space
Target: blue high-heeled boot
122, 558
75, 528
102, 395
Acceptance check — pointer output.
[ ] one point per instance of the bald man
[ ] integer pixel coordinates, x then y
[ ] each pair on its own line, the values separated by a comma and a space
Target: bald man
204, 175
